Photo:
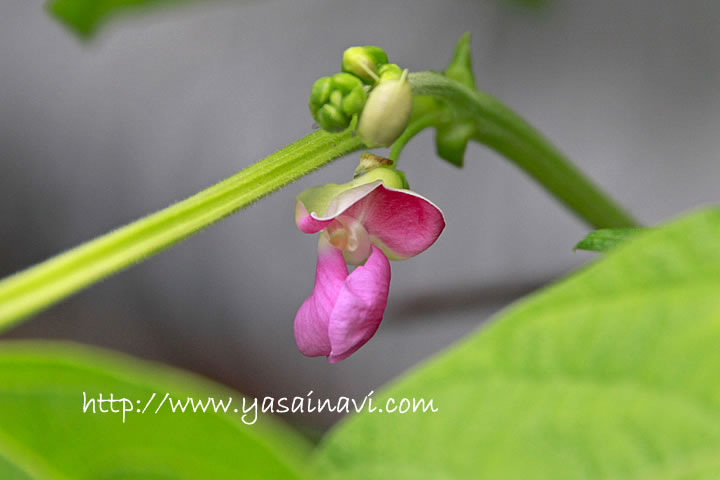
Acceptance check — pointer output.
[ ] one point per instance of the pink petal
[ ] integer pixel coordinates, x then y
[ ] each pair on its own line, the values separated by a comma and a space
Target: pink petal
312, 319
313, 222
401, 222
359, 307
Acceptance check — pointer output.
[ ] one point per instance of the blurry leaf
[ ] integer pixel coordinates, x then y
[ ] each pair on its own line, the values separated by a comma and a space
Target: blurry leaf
44, 432
613, 373
85, 16
606, 238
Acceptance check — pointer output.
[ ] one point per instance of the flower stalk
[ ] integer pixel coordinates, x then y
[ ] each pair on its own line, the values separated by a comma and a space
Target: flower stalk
472, 114
38, 287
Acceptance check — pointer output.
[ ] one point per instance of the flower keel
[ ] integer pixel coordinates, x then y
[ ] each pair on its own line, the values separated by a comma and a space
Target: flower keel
345, 309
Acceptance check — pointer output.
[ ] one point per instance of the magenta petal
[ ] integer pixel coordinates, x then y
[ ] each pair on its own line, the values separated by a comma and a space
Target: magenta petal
401, 222
359, 307
313, 222
306, 222
312, 319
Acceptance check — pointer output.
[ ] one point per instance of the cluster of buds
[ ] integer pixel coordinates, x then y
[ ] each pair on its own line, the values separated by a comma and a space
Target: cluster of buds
369, 88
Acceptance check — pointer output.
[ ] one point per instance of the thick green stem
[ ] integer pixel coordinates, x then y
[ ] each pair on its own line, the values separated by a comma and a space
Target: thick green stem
30, 291
504, 131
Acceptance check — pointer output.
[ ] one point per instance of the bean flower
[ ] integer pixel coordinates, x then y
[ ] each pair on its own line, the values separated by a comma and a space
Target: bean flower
363, 223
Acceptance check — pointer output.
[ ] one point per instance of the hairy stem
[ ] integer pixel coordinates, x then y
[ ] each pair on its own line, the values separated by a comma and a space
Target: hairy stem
504, 131
30, 291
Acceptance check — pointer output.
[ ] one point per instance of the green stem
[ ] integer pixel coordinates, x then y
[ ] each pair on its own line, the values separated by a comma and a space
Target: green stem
38, 287
504, 131
427, 120
30, 291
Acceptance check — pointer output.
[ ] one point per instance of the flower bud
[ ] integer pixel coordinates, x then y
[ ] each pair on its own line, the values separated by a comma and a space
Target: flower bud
334, 100
364, 62
389, 71
386, 113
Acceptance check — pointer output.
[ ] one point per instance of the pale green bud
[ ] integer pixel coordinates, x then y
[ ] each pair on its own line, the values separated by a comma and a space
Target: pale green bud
386, 113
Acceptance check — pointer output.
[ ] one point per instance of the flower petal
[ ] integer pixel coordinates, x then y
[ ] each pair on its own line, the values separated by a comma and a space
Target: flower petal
317, 206
312, 319
359, 307
313, 221
401, 222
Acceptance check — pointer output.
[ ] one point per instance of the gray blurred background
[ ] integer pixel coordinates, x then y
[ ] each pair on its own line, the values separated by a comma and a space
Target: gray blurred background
160, 106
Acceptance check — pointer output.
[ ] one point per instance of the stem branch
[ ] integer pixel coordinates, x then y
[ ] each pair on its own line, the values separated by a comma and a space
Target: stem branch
427, 120
504, 131
36, 288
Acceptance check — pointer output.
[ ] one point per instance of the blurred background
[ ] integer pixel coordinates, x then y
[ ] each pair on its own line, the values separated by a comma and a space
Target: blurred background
156, 107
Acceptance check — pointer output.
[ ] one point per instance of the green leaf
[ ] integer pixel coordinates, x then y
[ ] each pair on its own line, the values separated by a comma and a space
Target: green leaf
45, 434
610, 374
606, 238
84, 17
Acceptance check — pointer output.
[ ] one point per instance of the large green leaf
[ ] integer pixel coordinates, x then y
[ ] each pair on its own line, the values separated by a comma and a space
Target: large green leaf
44, 433
613, 373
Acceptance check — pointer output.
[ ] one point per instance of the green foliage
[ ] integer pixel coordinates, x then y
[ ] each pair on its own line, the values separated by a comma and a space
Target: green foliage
44, 433
606, 238
84, 17
611, 373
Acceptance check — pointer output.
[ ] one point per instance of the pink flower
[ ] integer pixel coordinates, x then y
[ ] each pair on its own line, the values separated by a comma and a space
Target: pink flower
362, 224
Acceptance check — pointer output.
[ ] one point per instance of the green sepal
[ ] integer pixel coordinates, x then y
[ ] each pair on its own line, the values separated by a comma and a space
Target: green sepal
451, 138
402, 176
451, 141
460, 68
